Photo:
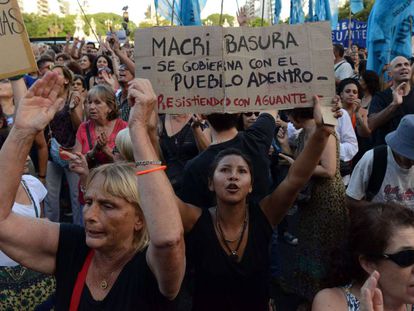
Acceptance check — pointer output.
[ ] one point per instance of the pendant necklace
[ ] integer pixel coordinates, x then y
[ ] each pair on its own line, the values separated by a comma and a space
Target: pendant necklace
104, 284
233, 253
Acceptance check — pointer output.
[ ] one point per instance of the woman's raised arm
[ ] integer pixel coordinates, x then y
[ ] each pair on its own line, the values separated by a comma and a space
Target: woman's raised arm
166, 253
276, 204
34, 243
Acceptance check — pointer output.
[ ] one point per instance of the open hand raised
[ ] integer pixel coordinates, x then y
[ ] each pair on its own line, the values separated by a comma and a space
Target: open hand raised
38, 107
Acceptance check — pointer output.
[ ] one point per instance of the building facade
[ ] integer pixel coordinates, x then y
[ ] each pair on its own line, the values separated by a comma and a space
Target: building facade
43, 7
254, 9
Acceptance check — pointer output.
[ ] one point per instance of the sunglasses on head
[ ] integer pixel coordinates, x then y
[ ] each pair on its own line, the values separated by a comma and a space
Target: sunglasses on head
403, 259
249, 114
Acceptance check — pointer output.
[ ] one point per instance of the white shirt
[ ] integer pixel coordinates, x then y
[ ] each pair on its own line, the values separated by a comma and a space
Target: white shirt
347, 137
397, 186
343, 70
38, 192
348, 143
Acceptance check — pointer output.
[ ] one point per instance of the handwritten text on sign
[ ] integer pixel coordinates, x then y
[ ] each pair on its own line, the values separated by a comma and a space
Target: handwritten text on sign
16, 56
214, 69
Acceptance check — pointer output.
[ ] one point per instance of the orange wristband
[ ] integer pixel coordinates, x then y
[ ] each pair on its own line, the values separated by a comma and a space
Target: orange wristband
160, 168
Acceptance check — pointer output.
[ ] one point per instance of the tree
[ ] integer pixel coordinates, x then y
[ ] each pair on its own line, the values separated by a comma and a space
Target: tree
148, 23
214, 19
361, 16
257, 22
52, 25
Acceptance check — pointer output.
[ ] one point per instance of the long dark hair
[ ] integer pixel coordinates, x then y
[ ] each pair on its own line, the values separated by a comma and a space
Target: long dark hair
371, 79
370, 230
94, 69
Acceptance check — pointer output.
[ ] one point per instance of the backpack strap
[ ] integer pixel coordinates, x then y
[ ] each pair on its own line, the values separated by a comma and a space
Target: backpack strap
339, 65
379, 167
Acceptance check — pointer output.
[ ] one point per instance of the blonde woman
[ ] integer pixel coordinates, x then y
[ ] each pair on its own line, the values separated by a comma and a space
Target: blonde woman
107, 261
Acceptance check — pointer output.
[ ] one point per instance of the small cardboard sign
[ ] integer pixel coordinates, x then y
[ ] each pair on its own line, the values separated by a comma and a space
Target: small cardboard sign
16, 56
215, 69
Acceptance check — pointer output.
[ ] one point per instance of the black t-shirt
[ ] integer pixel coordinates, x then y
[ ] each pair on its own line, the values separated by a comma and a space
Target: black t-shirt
254, 142
220, 283
135, 289
381, 101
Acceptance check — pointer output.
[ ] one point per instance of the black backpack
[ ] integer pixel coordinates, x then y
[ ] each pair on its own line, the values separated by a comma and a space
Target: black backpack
379, 167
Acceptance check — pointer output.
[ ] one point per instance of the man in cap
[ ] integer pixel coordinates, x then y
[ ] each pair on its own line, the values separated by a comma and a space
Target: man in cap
398, 182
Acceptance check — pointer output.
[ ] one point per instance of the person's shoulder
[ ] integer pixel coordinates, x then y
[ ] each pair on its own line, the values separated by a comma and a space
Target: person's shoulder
121, 124
265, 123
84, 124
382, 95
367, 157
330, 299
34, 184
31, 179
198, 162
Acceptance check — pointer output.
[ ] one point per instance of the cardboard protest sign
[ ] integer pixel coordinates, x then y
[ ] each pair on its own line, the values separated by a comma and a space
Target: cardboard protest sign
215, 69
16, 56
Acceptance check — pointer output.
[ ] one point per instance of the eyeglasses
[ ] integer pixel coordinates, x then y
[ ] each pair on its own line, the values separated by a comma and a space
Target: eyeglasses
47, 67
403, 259
249, 114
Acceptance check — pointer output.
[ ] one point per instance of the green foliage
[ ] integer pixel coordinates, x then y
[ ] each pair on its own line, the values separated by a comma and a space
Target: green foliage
148, 23
361, 16
214, 19
54, 26
257, 22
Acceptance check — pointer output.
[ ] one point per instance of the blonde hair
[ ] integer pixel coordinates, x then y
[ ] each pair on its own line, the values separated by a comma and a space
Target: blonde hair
120, 181
124, 145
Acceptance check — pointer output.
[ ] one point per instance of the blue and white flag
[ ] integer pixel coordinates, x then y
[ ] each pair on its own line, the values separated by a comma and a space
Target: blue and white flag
278, 10
311, 13
190, 13
326, 10
165, 9
334, 6
401, 37
388, 34
186, 12
357, 6
296, 12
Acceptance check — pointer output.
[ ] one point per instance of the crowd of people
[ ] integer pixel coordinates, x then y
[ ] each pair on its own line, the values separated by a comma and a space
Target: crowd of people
190, 211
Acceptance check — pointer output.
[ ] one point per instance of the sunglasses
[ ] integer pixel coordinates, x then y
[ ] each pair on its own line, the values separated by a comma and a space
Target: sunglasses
403, 259
249, 114
115, 151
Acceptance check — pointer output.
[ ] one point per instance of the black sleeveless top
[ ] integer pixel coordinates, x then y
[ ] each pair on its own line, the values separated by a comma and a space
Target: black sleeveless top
220, 283
177, 150
135, 288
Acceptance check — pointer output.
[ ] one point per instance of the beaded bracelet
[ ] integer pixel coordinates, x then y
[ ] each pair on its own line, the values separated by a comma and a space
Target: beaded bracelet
159, 168
147, 162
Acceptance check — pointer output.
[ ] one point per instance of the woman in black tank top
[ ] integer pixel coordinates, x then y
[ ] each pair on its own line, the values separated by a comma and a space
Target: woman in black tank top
228, 244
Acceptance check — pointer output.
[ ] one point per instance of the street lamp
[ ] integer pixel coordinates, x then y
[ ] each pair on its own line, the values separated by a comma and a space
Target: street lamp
125, 16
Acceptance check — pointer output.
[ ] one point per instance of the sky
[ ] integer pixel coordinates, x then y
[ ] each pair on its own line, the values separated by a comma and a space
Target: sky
137, 7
